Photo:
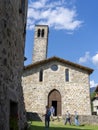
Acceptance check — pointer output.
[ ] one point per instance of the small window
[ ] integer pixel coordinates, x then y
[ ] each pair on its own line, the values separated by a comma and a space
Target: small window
41, 75
38, 33
42, 33
22, 7
54, 67
67, 75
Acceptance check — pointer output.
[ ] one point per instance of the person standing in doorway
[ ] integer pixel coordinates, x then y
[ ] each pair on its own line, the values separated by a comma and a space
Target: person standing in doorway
52, 112
67, 118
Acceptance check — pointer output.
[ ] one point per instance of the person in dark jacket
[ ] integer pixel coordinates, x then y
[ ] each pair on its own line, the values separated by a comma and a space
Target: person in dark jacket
47, 117
67, 118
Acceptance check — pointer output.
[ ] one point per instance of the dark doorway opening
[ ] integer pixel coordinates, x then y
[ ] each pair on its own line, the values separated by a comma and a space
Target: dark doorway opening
54, 104
13, 119
54, 99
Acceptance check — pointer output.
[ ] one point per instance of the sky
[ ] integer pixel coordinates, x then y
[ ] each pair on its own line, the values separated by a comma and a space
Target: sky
73, 31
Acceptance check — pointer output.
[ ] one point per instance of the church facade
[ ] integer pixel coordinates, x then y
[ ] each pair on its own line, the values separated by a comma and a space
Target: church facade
55, 81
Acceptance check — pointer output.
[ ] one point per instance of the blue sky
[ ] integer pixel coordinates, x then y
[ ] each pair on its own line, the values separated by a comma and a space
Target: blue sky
73, 31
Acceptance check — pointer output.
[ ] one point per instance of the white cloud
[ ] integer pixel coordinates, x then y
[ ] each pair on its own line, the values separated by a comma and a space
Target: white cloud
55, 13
38, 4
85, 58
93, 84
95, 59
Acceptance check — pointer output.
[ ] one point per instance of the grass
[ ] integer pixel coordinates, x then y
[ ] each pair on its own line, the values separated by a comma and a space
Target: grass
37, 125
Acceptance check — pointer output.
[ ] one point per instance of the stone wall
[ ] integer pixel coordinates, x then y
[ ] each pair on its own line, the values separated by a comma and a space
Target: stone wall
95, 105
85, 119
75, 94
40, 43
12, 38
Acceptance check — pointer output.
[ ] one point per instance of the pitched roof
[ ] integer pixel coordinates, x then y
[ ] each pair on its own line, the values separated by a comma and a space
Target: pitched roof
89, 70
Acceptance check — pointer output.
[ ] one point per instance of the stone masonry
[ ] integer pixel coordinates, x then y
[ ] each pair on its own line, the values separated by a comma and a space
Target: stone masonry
75, 94
12, 38
40, 43
45, 81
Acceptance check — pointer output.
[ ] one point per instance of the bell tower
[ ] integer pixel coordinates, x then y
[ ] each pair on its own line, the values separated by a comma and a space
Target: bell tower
40, 43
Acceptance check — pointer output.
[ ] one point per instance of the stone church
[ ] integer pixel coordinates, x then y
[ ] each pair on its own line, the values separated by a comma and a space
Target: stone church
55, 81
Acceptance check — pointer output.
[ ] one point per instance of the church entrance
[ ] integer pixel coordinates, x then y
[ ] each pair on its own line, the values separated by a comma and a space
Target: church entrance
54, 99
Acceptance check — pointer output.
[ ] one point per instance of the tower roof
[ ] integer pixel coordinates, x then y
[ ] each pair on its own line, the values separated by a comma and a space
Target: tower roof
41, 25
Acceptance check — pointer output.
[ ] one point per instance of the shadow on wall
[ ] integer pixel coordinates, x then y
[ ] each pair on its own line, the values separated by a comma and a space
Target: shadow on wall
33, 116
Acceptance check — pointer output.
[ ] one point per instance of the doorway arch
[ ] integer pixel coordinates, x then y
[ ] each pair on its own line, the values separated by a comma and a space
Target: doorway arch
54, 99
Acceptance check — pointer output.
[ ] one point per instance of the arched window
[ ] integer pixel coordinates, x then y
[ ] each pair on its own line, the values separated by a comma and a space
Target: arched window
42, 34
67, 75
41, 75
39, 32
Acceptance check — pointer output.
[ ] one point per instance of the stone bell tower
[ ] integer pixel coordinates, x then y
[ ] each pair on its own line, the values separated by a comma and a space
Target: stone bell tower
40, 43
